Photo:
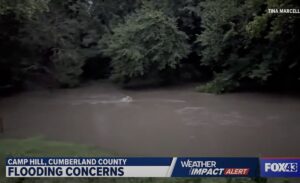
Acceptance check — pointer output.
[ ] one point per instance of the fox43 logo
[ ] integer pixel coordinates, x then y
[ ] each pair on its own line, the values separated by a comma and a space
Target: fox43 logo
280, 167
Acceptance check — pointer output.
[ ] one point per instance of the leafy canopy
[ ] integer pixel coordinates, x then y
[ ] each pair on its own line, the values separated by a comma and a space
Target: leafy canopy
148, 42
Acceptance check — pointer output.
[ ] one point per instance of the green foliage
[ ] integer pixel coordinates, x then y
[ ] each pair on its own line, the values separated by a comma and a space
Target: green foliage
108, 14
13, 55
220, 29
149, 39
69, 23
221, 84
148, 42
255, 27
58, 37
67, 64
244, 42
24, 8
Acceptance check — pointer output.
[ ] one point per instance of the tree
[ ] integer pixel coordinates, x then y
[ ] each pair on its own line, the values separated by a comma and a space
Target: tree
278, 34
13, 15
242, 43
237, 42
61, 37
149, 42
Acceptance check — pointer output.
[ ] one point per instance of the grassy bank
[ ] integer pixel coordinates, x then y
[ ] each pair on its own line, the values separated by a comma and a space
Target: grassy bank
37, 147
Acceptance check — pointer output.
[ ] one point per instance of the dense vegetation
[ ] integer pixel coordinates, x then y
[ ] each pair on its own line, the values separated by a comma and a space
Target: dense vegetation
230, 44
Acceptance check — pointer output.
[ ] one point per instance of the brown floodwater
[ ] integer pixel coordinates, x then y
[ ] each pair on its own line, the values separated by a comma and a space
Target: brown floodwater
158, 122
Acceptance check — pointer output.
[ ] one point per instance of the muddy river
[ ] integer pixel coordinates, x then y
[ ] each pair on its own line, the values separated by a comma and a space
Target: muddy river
158, 122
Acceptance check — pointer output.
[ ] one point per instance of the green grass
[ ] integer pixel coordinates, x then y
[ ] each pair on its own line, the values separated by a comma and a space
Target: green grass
38, 147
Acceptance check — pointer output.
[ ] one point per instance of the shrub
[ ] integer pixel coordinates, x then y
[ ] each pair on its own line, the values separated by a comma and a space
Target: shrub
221, 84
148, 42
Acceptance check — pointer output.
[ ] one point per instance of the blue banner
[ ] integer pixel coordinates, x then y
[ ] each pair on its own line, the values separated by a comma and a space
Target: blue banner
216, 167
279, 167
109, 161
151, 167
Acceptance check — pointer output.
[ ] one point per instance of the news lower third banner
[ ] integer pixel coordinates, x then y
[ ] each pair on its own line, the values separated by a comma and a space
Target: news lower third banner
152, 167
